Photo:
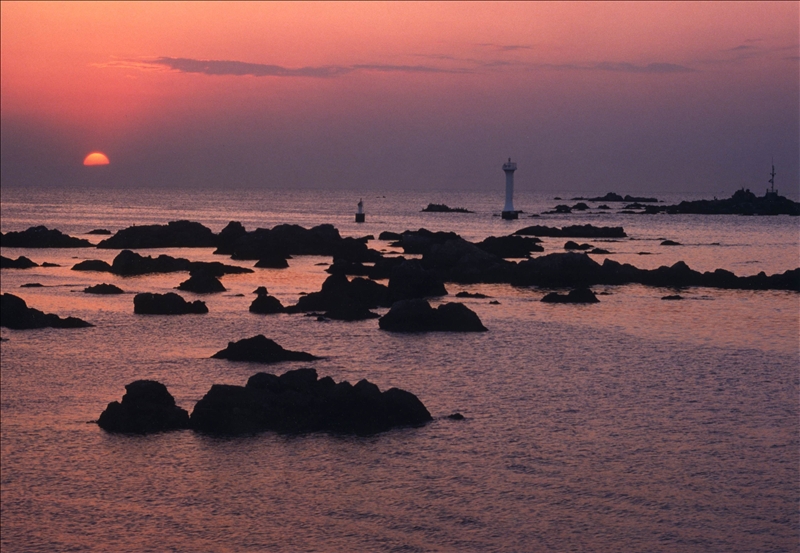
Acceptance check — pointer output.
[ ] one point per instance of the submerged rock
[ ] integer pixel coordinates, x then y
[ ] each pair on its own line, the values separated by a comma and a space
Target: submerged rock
578, 295
299, 402
42, 237
166, 304
260, 349
417, 315
15, 313
103, 289
146, 407
21, 262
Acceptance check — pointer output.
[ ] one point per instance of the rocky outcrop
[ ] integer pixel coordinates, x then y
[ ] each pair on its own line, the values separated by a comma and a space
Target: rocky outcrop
128, 263
299, 402
42, 237
272, 261
15, 313
442, 208
574, 231
264, 304
201, 282
146, 407
670, 243
103, 289
578, 295
166, 304
510, 246
420, 241
339, 296
474, 295
417, 315
260, 349
92, 265
287, 240
100, 231
743, 202
612, 197
175, 234
21, 262
461, 261
570, 245
411, 280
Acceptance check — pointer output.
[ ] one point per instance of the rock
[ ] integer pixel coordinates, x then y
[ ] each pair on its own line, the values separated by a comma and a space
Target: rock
283, 240
146, 407
456, 417
175, 234
510, 246
410, 280
416, 315
476, 295
298, 402
383, 268
201, 282
21, 262
561, 208
420, 241
578, 295
603, 206
42, 237
612, 197
558, 270
15, 314
272, 261
442, 208
670, 243
339, 295
350, 312
99, 231
599, 251
386, 235
461, 261
580, 206
260, 349
128, 263
575, 231
166, 304
92, 265
264, 304
570, 245
48, 264
346, 267
673, 297
32, 285
103, 289
743, 202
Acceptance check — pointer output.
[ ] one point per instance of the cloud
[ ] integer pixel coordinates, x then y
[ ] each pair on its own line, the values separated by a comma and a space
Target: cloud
620, 67
506, 47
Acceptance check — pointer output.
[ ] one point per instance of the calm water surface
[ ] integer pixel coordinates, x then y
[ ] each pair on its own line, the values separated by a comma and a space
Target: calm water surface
634, 424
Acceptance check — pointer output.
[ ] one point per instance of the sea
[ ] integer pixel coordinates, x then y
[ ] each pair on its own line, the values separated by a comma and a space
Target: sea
630, 425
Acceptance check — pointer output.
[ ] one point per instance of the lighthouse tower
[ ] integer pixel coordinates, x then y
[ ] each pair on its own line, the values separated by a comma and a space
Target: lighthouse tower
508, 211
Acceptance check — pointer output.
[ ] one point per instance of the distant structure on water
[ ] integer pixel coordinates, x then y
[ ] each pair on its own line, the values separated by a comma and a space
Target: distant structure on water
771, 192
360, 215
508, 211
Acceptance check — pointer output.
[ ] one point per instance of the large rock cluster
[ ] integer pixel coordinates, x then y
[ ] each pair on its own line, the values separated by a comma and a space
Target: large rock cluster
146, 407
176, 234
166, 304
42, 237
15, 313
417, 315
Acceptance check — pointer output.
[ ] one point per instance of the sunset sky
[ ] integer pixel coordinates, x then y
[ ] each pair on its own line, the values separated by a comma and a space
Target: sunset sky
653, 97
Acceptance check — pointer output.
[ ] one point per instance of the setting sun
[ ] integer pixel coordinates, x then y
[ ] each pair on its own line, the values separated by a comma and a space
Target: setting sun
96, 158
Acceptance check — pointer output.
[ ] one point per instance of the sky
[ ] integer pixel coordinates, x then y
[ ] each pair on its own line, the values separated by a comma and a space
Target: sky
597, 97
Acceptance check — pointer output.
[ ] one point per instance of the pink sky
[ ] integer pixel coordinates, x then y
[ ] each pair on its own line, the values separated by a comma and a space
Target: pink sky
585, 96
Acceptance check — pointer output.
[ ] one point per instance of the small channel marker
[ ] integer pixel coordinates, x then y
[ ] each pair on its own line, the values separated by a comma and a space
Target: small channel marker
508, 211
360, 215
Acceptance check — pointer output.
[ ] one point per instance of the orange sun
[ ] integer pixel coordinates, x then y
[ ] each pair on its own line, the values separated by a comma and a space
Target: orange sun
96, 158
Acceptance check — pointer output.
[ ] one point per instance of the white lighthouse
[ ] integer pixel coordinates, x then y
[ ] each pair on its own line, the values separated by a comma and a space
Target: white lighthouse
508, 211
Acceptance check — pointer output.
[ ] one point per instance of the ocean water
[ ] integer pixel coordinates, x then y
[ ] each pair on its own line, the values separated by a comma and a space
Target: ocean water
633, 424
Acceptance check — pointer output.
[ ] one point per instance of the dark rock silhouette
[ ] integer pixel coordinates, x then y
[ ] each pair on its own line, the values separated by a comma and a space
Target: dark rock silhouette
558, 270
175, 234
411, 280
21, 262
461, 261
416, 315
456, 417
382, 268
100, 231
612, 197
442, 208
346, 267
92, 265
42, 237
287, 240
264, 304
272, 261
260, 349
578, 295
103, 289
128, 263
201, 282
420, 241
510, 246
580, 206
570, 245
670, 243
146, 407
574, 231
673, 297
299, 402
32, 285
48, 264
339, 295
166, 304
599, 251
15, 314
476, 295
743, 202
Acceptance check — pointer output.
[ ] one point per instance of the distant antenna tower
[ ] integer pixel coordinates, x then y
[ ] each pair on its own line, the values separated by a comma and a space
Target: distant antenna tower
772, 190
508, 211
